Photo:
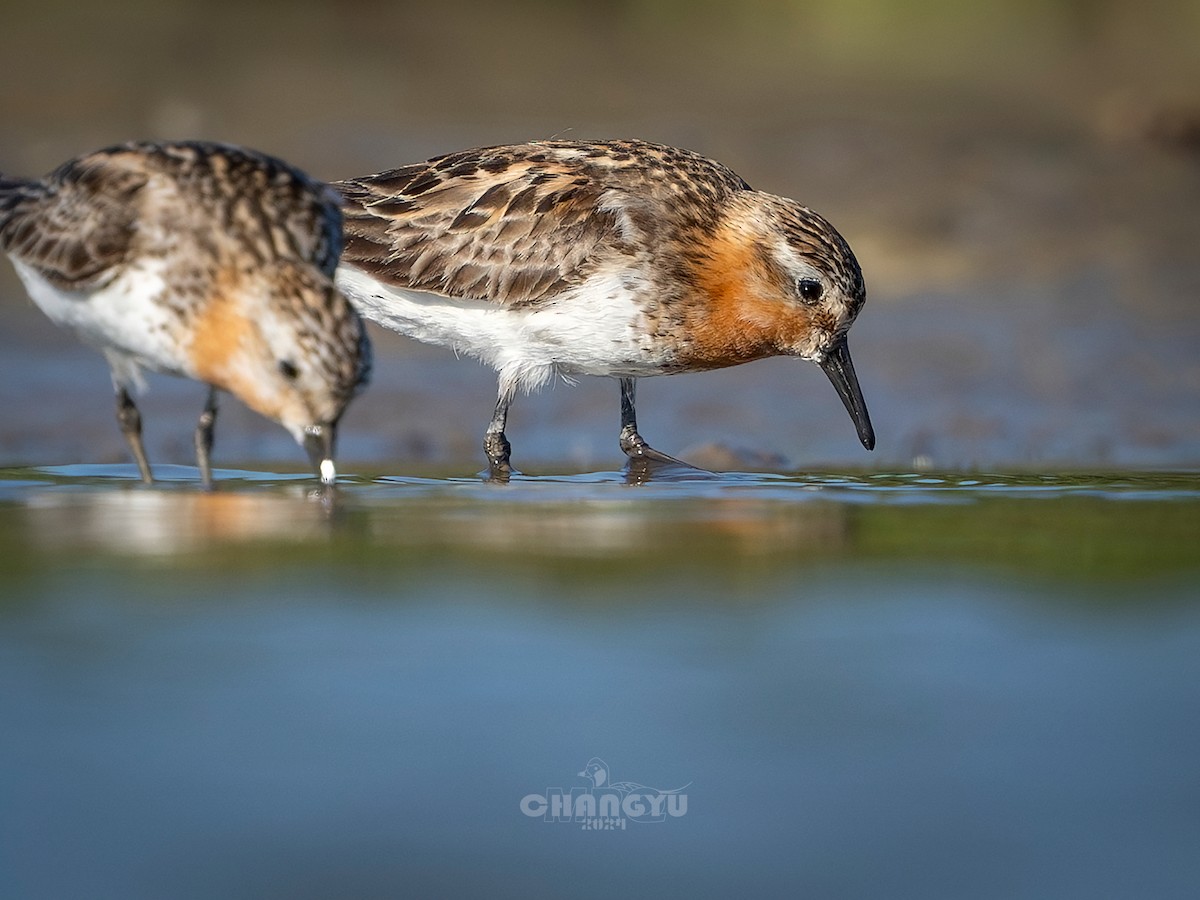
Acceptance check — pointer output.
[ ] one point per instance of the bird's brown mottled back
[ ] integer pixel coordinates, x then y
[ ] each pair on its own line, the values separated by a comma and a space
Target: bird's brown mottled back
306, 218
519, 224
78, 224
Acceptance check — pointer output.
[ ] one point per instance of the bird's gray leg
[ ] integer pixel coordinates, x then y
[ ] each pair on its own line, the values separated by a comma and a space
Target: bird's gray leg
204, 438
632, 443
495, 444
130, 421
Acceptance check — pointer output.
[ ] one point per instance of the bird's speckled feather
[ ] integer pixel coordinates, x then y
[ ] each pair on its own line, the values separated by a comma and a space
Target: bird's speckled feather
620, 258
197, 259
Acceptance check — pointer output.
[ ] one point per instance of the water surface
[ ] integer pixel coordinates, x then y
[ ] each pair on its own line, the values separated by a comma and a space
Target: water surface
984, 684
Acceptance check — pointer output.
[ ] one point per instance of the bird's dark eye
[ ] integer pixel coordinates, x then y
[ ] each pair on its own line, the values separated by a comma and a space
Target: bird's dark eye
810, 290
288, 369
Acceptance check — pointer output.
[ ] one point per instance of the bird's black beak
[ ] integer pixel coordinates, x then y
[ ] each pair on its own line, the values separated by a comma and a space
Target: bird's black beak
840, 369
318, 443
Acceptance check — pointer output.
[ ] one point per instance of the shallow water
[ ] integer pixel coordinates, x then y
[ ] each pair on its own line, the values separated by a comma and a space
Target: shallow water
984, 683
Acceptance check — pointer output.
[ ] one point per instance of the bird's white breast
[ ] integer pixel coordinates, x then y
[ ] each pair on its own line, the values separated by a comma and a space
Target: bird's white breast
596, 328
125, 318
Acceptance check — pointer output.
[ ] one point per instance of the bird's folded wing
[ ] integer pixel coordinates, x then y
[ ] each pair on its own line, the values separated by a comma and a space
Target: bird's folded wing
75, 227
491, 225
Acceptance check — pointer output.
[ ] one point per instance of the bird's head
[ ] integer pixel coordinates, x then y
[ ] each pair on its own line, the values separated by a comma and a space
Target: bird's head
780, 281
297, 354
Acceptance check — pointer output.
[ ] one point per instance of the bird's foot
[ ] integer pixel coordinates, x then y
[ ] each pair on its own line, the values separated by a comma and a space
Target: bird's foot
636, 448
646, 464
498, 451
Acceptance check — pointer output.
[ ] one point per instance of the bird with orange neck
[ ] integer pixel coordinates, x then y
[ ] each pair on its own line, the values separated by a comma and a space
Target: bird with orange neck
201, 260
616, 258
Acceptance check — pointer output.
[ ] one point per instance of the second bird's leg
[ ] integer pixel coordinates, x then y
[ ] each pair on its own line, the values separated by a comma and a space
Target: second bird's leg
130, 421
495, 444
204, 437
632, 443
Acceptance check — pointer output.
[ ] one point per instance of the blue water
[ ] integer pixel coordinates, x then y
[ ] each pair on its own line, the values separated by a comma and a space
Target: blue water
913, 685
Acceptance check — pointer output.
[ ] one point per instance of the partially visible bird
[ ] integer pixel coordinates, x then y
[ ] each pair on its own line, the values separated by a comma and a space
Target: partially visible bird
617, 258
202, 260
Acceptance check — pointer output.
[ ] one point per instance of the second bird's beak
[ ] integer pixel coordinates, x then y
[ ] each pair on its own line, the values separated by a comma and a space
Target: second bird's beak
318, 443
840, 369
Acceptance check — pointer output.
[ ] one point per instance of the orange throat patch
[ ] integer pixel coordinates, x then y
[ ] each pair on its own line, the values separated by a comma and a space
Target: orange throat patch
743, 313
226, 342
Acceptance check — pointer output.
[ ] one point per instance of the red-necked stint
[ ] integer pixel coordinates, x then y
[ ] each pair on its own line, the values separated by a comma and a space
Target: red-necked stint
617, 258
201, 260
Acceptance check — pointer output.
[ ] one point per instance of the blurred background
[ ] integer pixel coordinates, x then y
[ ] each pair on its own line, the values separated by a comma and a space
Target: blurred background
1019, 180
890, 675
